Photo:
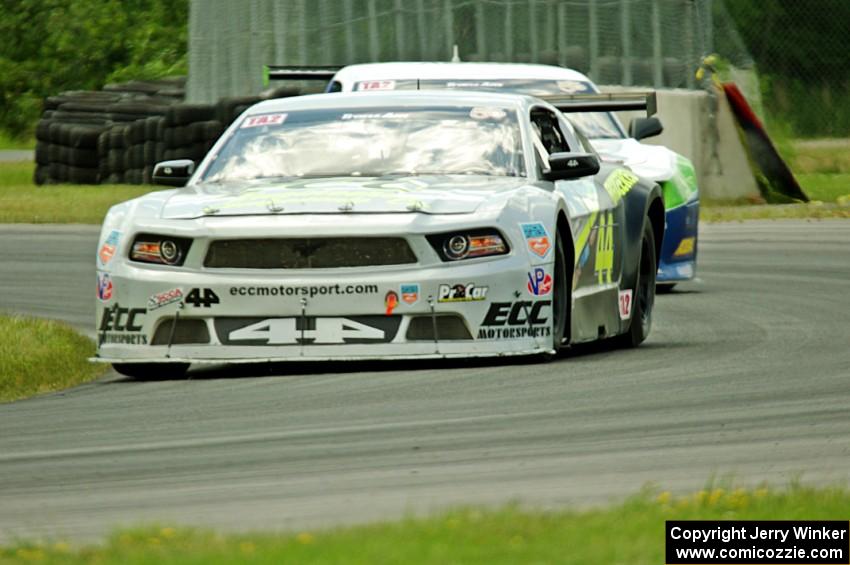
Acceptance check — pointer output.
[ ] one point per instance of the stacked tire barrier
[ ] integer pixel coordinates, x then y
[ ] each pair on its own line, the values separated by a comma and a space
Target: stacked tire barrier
70, 144
117, 135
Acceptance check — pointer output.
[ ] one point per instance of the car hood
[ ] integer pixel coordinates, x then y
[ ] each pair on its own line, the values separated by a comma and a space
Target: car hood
449, 194
649, 161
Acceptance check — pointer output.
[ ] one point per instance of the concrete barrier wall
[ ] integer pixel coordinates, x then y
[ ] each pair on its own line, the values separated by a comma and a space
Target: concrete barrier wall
704, 131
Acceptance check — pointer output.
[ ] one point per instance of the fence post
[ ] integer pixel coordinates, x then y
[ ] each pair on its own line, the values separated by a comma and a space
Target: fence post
626, 41
509, 31
657, 76
400, 39
374, 45
532, 30
480, 31
424, 54
562, 34
449, 22
594, 40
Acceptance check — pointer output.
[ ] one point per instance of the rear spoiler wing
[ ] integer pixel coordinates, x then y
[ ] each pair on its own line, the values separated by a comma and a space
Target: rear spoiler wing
604, 102
289, 72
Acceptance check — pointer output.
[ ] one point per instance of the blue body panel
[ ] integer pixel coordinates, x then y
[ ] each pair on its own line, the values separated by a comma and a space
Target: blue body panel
682, 222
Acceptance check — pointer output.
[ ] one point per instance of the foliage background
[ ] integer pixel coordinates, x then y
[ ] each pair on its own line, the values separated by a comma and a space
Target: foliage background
800, 50
47, 46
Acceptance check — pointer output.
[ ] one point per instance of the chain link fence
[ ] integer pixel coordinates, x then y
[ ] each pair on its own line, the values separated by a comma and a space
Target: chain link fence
799, 48
628, 42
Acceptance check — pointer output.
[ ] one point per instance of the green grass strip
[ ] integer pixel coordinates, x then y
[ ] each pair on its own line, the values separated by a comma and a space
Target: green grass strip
21, 201
38, 356
631, 532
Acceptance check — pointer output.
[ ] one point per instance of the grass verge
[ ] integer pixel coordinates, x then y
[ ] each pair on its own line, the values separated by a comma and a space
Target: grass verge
630, 532
9, 142
21, 201
39, 356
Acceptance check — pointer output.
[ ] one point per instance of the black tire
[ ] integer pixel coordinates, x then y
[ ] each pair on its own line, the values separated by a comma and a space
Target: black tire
152, 371
561, 295
664, 288
644, 293
42, 153
87, 158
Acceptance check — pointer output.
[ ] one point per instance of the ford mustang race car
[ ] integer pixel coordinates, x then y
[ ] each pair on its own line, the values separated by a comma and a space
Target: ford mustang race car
394, 225
672, 171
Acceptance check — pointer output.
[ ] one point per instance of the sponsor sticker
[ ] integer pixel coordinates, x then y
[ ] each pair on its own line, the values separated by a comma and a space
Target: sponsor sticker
375, 85
390, 302
376, 116
487, 113
514, 320
110, 244
539, 282
537, 238
263, 120
619, 183
165, 298
121, 326
410, 293
469, 292
104, 287
625, 302
573, 86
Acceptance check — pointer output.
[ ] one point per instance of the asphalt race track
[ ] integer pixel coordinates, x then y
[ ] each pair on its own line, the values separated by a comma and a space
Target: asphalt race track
746, 375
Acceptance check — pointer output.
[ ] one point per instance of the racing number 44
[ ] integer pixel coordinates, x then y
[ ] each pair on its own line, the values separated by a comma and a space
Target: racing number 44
202, 297
605, 248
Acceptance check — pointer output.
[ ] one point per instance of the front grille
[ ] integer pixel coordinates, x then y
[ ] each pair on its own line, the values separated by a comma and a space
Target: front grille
308, 253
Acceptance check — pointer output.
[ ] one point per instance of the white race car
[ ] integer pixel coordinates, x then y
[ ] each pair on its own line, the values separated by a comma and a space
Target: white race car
674, 173
395, 225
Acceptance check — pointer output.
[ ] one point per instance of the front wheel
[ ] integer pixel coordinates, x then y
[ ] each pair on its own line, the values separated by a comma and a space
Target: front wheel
152, 371
644, 294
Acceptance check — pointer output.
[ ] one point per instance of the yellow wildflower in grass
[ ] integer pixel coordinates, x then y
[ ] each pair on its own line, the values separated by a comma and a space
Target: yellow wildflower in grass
167, 533
247, 547
664, 498
30, 554
305, 538
715, 497
61, 547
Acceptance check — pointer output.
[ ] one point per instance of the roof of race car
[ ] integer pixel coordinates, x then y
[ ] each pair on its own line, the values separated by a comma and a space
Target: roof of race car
468, 71
389, 98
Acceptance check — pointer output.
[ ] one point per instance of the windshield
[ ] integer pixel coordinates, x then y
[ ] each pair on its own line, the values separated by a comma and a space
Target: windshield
595, 125
372, 142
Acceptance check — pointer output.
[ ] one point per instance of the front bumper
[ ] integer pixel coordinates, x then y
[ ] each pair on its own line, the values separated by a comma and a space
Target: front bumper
158, 314
679, 248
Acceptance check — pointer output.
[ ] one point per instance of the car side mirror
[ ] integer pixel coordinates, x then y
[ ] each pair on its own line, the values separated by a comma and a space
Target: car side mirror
641, 128
173, 173
563, 166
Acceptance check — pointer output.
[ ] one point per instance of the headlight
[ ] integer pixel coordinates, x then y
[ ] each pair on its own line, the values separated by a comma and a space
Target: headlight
161, 249
468, 245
